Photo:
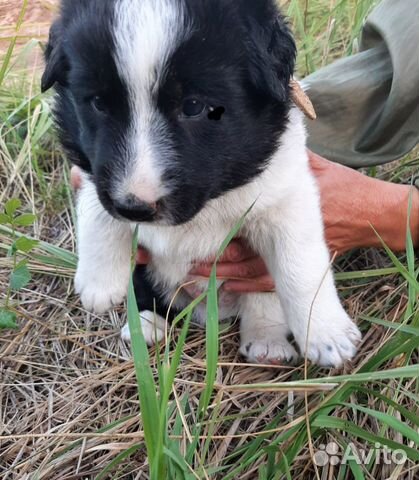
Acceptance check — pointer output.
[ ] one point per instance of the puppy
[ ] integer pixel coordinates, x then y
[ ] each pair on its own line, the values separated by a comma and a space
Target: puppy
179, 113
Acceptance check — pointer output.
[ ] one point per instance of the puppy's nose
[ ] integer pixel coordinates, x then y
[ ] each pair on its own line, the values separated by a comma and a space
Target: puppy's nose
135, 209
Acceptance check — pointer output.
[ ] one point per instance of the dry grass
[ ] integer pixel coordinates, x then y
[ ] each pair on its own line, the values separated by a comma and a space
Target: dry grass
68, 393
66, 375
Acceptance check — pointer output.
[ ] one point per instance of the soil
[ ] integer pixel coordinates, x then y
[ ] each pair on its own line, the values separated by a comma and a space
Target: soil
38, 17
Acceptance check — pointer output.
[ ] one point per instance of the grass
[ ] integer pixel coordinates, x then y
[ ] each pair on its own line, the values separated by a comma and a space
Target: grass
69, 393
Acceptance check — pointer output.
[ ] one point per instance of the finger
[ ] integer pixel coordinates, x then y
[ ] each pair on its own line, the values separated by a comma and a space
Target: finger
201, 270
143, 257
263, 284
254, 267
76, 178
192, 289
237, 251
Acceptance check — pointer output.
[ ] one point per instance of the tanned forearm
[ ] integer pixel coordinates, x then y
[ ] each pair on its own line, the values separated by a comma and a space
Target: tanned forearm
355, 205
390, 214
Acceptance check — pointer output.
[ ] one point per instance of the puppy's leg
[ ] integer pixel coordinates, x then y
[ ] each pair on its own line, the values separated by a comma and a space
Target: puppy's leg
152, 309
297, 256
104, 249
264, 330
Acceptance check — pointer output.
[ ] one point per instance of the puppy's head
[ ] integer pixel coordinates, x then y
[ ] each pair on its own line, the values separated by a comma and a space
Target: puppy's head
169, 103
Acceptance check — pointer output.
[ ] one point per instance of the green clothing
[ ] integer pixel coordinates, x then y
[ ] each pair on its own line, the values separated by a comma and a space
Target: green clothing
368, 104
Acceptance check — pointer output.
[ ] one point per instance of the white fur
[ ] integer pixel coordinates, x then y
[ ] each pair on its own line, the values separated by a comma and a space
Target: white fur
153, 327
146, 33
284, 226
104, 248
264, 330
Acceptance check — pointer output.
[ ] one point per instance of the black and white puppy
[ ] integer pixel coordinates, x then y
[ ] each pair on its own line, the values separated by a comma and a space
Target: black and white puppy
179, 113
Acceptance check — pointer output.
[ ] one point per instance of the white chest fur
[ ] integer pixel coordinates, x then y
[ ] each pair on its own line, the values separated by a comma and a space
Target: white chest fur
174, 249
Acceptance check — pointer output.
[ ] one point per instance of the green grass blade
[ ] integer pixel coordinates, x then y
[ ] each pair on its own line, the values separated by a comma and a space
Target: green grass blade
408, 371
118, 460
177, 459
390, 421
392, 325
324, 421
356, 469
9, 53
212, 327
400, 267
212, 345
411, 416
379, 272
146, 387
56, 256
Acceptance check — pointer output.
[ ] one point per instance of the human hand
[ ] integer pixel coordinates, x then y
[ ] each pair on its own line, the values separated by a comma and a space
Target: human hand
244, 271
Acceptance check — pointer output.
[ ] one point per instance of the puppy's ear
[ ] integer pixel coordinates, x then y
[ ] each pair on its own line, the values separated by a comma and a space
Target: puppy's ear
271, 48
56, 66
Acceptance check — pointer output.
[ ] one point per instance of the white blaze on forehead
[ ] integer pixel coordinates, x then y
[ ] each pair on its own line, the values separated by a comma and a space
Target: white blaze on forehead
146, 32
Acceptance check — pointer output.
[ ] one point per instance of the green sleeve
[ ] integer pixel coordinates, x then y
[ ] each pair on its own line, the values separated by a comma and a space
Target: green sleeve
368, 104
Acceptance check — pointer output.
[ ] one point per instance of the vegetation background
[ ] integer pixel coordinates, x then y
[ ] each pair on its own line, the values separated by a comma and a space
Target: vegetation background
69, 405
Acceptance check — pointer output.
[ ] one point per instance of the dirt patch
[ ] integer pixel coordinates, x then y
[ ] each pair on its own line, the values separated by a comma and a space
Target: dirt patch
38, 17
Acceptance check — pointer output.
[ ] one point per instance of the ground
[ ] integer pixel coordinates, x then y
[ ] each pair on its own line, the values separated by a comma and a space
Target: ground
36, 20
68, 392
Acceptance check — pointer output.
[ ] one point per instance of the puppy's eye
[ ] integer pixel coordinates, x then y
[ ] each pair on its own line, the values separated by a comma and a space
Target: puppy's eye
192, 107
99, 104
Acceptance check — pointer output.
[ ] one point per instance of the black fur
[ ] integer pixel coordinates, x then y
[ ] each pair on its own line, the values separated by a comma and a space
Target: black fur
79, 62
147, 295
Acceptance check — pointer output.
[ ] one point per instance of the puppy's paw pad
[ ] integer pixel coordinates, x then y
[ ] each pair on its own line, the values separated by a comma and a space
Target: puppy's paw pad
153, 328
269, 351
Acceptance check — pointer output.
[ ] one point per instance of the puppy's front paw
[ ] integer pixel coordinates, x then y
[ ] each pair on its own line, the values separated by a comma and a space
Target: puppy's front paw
153, 327
332, 340
267, 345
269, 352
102, 291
